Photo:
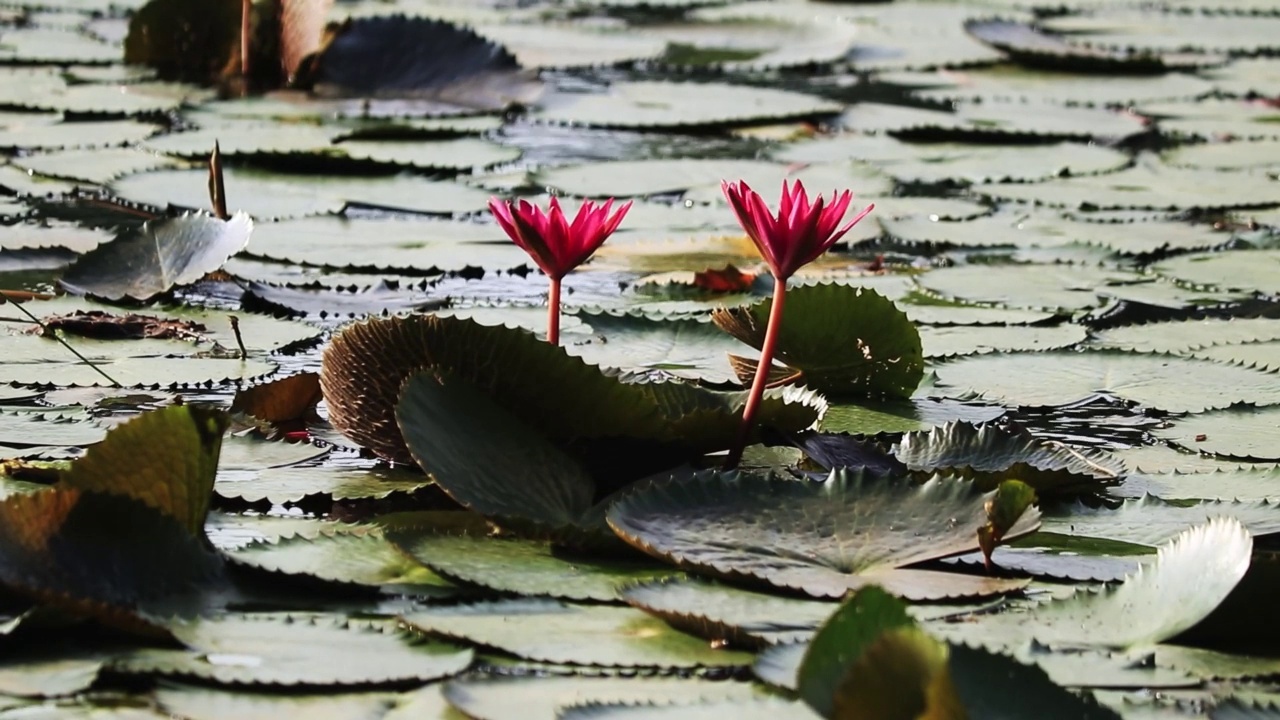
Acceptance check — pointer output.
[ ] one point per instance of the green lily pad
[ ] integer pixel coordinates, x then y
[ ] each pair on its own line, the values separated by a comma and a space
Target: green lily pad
98, 167
365, 366
267, 195
765, 708
40, 429
1026, 286
512, 698
1216, 119
686, 348
884, 359
744, 527
1242, 269
1005, 83
723, 612
1145, 185
284, 485
1260, 355
989, 454
200, 703
1047, 229
559, 46
1186, 336
354, 559
1244, 434
54, 672
524, 567
628, 178
43, 135
942, 342
157, 257
655, 104
873, 417
1061, 378
605, 636
24, 236
1170, 32
301, 650
1243, 484
1151, 521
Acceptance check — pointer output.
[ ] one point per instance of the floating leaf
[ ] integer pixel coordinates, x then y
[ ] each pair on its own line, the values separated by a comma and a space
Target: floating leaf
1235, 433
1151, 521
1144, 186
1061, 378
1032, 47
1243, 269
1184, 336
201, 703
606, 636
158, 256
301, 650
508, 698
822, 538
366, 364
989, 454
883, 357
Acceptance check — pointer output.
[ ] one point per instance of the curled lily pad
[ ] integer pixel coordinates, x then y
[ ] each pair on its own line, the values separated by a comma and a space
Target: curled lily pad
884, 354
158, 256
990, 454
823, 538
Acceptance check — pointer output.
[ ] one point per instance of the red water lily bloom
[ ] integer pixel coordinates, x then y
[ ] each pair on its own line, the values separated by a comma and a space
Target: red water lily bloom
555, 244
797, 235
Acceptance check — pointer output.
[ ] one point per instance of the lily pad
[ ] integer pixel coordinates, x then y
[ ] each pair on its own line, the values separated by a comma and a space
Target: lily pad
1061, 378
1026, 286
607, 636
989, 454
98, 166
510, 698
1145, 186
687, 348
1151, 521
200, 703
859, 530
302, 650
1187, 336
941, 342
158, 256
655, 104
1243, 484
43, 135
884, 356
1243, 434
1242, 269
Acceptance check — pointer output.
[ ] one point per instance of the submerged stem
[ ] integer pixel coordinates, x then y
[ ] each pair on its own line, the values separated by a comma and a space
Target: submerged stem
553, 312
762, 374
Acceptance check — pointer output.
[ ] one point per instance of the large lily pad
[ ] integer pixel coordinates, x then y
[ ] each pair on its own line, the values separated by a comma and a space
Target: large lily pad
366, 365
280, 649
990, 454
665, 104
607, 636
1183, 337
1145, 185
1151, 521
158, 256
822, 538
510, 698
1242, 269
883, 354
1244, 434
1061, 378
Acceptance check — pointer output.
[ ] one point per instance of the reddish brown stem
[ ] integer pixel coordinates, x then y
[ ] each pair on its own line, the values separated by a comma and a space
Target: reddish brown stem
762, 374
246, 13
553, 312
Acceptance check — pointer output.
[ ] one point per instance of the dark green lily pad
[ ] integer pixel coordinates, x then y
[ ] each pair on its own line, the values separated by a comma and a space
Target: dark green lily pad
989, 454
157, 257
1061, 378
524, 567
872, 417
858, 529
884, 358
296, 650
606, 636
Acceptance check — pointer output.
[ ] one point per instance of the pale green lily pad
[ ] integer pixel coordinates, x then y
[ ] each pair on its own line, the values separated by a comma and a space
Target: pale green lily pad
524, 567
358, 559
1245, 155
654, 104
942, 342
1162, 458
54, 45
244, 138
992, 120
687, 348
1200, 567
1259, 355
1061, 378
42, 135
1005, 83
99, 166
417, 244
282, 650
133, 100
1251, 434
1244, 76
199, 703
57, 671
963, 315
1187, 336
627, 178
764, 708
1217, 119
233, 532
267, 195
1042, 229
36, 428
1244, 484
458, 154
870, 417
1026, 286
244, 453
514, 698
1151, 521
738, 45
20, 182
1213, 665
1241, 269
573, 45
281, 485
604, 636
743, 526
1126, 29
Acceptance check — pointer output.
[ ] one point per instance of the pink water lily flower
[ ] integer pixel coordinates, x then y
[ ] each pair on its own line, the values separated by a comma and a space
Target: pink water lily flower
556, 245
800, 232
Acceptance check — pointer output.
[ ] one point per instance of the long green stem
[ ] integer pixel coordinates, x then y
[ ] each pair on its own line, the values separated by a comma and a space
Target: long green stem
553, 312
762, 374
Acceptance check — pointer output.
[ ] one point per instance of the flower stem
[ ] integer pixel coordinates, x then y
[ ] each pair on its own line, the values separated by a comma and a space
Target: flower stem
762, 374
553, 312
